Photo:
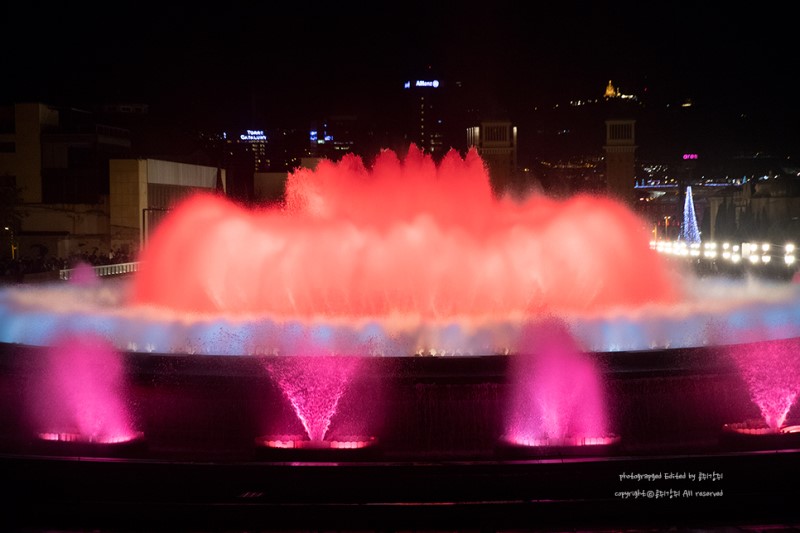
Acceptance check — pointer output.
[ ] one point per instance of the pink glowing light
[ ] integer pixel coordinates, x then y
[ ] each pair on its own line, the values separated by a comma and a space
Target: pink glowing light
405, 238
79, 394
83, 274
91, 439
298, 442
557, 394
314, 386
772, 373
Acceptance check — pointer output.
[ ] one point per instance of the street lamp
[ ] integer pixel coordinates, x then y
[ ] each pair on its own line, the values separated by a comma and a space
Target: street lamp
11, 239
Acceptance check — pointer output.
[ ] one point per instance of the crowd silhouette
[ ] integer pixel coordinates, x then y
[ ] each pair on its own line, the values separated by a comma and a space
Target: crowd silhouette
15, 270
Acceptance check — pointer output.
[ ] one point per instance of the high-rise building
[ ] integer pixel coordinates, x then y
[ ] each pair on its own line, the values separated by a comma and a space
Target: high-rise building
255, 142
423, 121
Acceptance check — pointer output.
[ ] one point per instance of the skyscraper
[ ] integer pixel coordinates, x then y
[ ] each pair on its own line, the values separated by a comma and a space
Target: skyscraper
423, 119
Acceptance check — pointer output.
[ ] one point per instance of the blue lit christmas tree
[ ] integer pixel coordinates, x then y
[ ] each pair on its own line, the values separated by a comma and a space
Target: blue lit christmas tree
689, 231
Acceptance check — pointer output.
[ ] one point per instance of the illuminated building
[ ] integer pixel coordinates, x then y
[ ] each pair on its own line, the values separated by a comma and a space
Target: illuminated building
614, 92
333, 137
255, 142
611, 92
423, 120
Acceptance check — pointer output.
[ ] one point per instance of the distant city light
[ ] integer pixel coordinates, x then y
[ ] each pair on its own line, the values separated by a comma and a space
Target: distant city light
426, 83
690, 156
253, 135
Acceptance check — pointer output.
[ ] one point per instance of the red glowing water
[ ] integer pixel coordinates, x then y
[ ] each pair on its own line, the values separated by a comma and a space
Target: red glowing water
80, 390
405, 238
556, 389
313, 386
772, 373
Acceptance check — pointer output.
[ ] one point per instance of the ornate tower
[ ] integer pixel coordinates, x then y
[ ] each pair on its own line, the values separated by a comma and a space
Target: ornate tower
620, 150
496, 142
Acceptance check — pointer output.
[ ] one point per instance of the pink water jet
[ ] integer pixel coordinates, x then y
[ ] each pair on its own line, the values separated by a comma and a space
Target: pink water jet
79, 392
314, 385
404, 238
557, 396
83, 274
771, 371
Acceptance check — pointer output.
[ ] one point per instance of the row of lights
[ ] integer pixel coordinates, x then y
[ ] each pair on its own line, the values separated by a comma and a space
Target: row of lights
756, 253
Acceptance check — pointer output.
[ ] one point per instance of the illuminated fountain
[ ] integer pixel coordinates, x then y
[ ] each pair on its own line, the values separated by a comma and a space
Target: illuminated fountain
84, 275
404, 257
77, 398
411, 242
771, 371
314, 386
427, 258
557, 401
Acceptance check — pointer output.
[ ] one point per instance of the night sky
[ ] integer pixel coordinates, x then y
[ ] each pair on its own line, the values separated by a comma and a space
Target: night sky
229, 63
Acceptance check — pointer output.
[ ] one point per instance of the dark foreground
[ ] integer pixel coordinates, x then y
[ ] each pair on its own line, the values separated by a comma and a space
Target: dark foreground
438, 464
72, 493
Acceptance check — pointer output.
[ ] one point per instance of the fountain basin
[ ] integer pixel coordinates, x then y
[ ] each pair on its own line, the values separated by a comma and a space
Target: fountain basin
300, 448
755, 434
77, 444
214, 407
556, 447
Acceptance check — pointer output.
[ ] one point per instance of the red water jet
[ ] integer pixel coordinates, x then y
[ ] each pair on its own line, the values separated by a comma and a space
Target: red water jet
406, 238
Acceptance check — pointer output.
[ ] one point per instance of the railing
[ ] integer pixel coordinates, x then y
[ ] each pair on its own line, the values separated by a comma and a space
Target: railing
104, 270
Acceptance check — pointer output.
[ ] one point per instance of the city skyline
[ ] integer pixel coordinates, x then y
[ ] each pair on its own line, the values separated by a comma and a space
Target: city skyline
234, 64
